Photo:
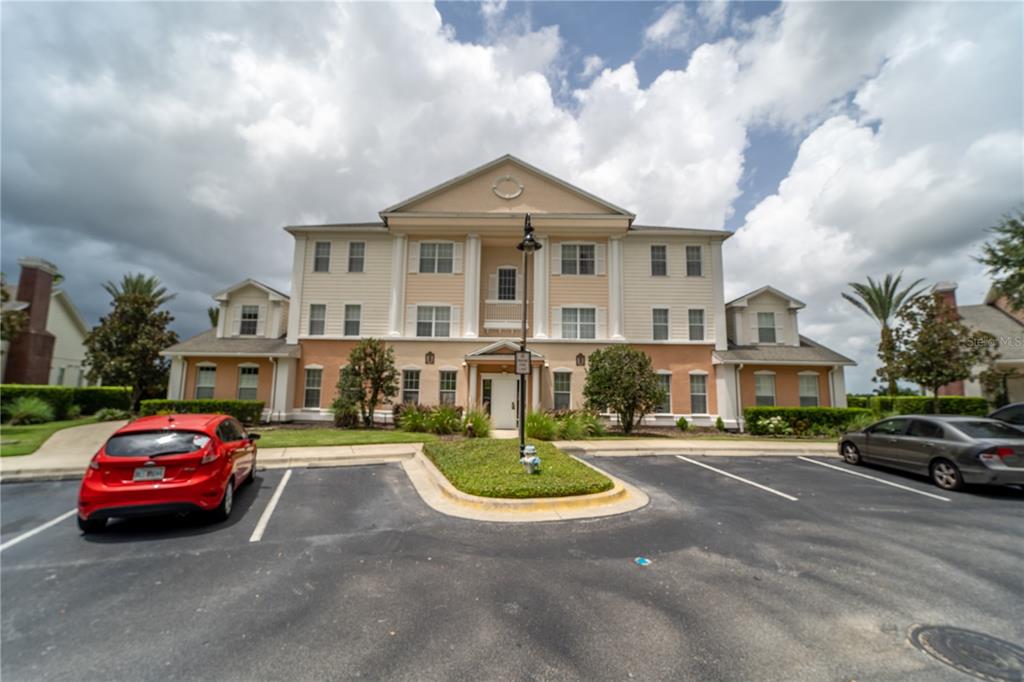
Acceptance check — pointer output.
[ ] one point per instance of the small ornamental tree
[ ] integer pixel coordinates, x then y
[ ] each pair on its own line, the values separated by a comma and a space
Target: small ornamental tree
373, 364
347, 405
621, 379
933, 348
1004, 257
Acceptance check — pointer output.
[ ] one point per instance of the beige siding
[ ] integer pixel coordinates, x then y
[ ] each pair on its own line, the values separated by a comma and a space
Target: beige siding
370, 288
68, 347
577, 290
676, 291
785, 319
435, 287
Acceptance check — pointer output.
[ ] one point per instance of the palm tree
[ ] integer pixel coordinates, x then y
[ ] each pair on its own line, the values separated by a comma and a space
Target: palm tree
139, 285
214, 314
882, 301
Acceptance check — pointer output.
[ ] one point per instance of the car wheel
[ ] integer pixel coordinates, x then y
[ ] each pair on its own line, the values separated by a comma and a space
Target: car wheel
251, 476
223, 510
946, 475
91, 525
851, 455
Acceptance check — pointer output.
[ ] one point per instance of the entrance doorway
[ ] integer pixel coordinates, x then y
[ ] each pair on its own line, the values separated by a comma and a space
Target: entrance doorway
503, 399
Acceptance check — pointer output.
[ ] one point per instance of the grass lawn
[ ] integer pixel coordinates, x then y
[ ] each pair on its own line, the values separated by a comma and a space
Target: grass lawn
491, 468
24, 440
297, 438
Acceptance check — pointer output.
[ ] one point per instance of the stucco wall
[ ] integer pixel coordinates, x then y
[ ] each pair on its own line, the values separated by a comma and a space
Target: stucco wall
226, 383
787, 384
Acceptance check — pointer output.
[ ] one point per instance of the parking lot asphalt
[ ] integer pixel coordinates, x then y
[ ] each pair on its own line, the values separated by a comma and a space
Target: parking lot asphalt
354, 577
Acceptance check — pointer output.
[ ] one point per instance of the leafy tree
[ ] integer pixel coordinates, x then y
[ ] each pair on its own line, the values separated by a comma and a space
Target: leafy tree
140, 285
995, 383
346, 406
373, 363
1004, 257
934, 348
621, 379
124, 348
11, 321
882, 301
214, 315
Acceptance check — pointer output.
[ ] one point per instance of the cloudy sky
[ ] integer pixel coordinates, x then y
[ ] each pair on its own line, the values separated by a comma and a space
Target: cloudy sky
837, 140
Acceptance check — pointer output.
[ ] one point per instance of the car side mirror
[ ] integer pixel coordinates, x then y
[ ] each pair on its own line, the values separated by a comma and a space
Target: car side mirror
254, 436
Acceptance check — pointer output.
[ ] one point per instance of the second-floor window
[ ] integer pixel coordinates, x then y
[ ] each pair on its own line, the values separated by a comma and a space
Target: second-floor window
696, 320
437, 257
317, 319
353, 316
660, 327
578, 259
356, 256
579, 323
433, 320
659, 260
322, 257
250, 321
507, 284
694, 261
766, 328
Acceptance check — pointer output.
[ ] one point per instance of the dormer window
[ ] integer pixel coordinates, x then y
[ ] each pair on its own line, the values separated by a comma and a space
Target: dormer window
766, 328
250, 320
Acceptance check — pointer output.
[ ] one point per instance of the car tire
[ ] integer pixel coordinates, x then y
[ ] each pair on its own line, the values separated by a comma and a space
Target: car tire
227, 503
850, 453
251, 476
946, 475
91, 525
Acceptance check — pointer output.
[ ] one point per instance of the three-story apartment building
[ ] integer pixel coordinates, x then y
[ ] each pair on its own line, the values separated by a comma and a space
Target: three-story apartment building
440, 279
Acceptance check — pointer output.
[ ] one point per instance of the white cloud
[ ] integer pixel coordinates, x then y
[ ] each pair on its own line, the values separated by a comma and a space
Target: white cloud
592, 65
670, 29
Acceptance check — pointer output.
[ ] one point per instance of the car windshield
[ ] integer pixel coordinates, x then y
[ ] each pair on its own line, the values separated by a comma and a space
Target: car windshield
981, 429
155, 443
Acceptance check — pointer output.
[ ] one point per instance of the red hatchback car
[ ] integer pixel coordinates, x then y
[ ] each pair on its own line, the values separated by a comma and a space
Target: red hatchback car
165, 465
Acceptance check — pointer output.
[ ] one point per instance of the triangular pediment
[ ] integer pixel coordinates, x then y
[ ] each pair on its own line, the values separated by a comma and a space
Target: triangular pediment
501, 347
506, 185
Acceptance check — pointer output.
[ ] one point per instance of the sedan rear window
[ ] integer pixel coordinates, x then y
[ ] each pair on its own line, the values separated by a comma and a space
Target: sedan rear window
154, 443
981, 429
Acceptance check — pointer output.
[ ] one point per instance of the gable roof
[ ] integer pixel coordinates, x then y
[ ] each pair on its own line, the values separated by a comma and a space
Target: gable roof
69, 307
745, 298
506, 158
809, 352
273, 293
508, 346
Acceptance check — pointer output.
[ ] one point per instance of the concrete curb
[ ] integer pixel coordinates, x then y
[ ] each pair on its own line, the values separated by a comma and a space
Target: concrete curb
627, 449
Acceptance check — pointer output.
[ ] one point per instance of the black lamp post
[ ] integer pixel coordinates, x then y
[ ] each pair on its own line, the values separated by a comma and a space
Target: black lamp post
523, 362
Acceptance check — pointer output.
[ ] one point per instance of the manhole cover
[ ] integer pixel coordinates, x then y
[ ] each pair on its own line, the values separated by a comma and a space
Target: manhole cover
971, 652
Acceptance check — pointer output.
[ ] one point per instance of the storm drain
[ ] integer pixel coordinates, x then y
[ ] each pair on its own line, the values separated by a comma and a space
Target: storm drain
971, 652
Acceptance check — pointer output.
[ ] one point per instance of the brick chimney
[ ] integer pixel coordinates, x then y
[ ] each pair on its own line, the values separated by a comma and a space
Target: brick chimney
31, 353
948, 292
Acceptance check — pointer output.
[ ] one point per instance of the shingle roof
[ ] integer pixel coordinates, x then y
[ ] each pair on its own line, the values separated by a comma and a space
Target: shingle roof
808, 352
1009, 332
208, 343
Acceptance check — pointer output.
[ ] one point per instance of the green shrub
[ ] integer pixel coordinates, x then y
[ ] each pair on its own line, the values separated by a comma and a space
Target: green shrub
414, 419
61, 398
444, 419
919, 404
245, 411
719, 424
30, 409
94, 398
541, 426
682, 424
111, 414
857, 400
571, 427
74, 412
480, 422
591, 423
802, 421
863, 420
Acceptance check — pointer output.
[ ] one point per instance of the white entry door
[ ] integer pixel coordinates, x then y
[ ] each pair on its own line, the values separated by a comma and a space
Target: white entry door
503, 400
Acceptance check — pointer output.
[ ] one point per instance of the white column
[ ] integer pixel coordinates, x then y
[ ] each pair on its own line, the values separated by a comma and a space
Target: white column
471, 296
396, 313
284, 389
540, 288
535, 387
718, 296
839, 383
472, 388
176, 378
615, 287
298, 272
725, 392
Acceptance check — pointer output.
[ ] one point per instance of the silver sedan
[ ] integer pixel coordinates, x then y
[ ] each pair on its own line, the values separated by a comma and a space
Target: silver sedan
951, 450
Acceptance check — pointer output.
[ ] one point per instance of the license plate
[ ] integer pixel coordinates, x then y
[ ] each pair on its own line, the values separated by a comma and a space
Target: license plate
149, 474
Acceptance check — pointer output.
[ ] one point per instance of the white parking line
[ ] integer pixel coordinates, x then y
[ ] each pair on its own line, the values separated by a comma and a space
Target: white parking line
257, 534
875, 478
740, 478
37, 529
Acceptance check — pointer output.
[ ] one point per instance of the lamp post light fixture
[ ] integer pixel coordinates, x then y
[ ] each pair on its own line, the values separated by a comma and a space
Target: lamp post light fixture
528, 246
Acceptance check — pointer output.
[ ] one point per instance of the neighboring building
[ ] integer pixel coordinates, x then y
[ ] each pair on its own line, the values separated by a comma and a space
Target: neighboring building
440, 279
51, 347
996, 317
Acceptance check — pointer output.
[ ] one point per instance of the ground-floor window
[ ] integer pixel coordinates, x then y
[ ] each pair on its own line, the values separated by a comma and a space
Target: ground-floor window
248, 381
486, 395
698, 393
764, 390
206, 377
665, 406
448, 381
411, 386
563, 390
809, 390
314, 378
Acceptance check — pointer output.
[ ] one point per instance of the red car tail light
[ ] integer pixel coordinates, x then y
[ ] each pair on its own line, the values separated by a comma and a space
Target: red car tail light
209, 456
995, 454
93, 464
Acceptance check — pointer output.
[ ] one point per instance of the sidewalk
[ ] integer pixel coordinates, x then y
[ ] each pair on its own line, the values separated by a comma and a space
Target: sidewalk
680, 446
64, 453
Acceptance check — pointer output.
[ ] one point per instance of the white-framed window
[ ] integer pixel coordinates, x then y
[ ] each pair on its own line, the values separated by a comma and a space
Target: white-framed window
766, 328
248, 382
562, 382
578, 259
579, 323
322, 257
809, 390
659, 323
437, 257
507, 284
411, 386
317, 319
314, 378
764, 390
206, 378
356, 256
659, 260
696, 320
353, 316
698, 394
250, 320
665, 382
433, 320
694, 261
448, 379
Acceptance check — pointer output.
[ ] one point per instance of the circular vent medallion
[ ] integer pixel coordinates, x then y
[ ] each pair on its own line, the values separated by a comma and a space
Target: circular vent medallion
507, 187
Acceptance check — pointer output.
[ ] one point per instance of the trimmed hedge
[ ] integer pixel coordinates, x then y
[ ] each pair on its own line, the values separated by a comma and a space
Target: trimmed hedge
919, 404
89, 399
245, 411
857, 400
803, 421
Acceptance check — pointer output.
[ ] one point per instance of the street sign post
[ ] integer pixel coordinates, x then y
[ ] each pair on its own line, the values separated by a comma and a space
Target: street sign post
522, 362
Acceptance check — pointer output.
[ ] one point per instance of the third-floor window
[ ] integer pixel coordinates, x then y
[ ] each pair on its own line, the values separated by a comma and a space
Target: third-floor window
578, 259
437, 257
659, 260
356, 256
322, 257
